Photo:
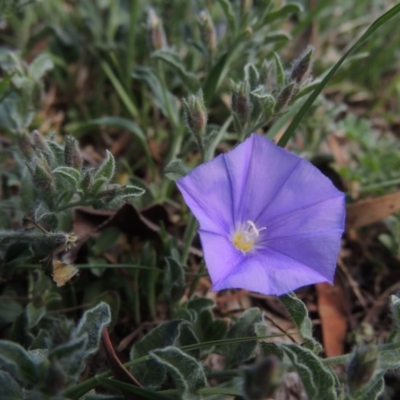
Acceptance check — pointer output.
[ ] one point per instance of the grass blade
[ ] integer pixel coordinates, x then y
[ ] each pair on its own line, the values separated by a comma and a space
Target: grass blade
310, 100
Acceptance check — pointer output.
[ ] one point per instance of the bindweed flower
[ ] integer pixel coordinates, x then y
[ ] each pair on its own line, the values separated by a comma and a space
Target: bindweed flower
270, 222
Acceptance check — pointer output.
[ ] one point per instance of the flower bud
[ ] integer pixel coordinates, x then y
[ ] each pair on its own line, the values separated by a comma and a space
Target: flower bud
42, 177
286, 95
41, 147
38, 141
261, 381
87, 180
207, 31
195, 114
72, 155
362, 367
240, 100
265, 100
302, 66
245, 6
267, 77
156, 31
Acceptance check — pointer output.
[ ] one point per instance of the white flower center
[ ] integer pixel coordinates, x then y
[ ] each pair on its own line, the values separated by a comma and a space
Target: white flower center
244, 239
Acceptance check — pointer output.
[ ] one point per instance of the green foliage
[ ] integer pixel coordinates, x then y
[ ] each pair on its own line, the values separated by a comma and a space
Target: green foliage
51, 370
136, 78
298, 311
186, 372
317, 379
152, 373
237, 353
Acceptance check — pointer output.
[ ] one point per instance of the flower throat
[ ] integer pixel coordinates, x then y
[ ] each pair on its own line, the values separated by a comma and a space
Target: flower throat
244, 239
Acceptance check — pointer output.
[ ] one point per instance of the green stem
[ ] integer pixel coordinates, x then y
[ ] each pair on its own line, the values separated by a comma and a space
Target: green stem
190, 232
130, 42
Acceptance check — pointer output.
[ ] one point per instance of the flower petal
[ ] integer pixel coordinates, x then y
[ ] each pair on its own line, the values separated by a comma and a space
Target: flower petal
207, 192
305, 187
258, 170
270, 273
327, 215
220, 255
315, 250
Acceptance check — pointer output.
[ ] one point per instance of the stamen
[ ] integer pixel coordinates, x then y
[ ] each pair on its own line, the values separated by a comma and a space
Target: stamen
245, 239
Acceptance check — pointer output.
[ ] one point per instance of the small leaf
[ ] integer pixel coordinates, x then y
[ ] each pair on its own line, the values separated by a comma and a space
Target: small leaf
71, 355
150, 373
175, 62
9, 311
229, 14
176, 169
140, 393
107, 168
280, 72
284, 12
186, 372
92, 323
200, 304
39, 66
20, 362
71, 175
372, 390
236, 353
317, 379
130, 191
9, 389
174, 280
209, 329
276, 36
299, 313
34, 314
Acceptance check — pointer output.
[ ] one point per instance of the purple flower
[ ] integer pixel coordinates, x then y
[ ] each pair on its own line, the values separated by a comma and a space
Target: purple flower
270, 222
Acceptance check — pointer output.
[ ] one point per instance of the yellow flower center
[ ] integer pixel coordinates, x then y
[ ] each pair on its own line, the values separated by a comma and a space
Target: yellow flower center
244, 239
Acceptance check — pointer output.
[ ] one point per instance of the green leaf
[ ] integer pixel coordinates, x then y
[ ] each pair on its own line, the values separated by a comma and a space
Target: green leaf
187, 337
279, 70
107, 168
96, 396
276, 36
71, 355
209, 329
267, 349
284, 12
221, 68
318, 380
91, 324
186, 372
372, 390
123, 95
310, 100
34, 314
176, 169
395, 306
130, 191
150, 373
141, 393
229, 12
162, 98
299, 313
175, 62
174, 280
200, 304
237, 353
9, 311
39, 66
71, 175
9, 389
19, 361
